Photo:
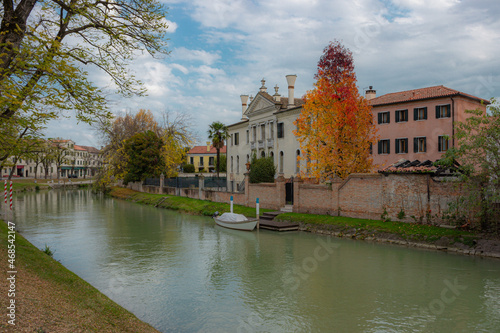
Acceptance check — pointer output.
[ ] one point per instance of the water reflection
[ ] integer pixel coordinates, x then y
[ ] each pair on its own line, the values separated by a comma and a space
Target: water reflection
183, 273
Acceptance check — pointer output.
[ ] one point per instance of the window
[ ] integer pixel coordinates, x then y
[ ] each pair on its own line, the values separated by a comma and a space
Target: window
443, 143
401, 146
384, 117
211, 160
419, 145
237, 164
297, 166
254, 133
443, 111
232, 164
271, 128
281, 130
263, 131
231, 139
262, 154
401, 116
281, 159
236, 138
384, 147
248, 136
201, 161
420, 113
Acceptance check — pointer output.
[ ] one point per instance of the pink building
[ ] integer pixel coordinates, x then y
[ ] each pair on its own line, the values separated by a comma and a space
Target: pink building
418, 124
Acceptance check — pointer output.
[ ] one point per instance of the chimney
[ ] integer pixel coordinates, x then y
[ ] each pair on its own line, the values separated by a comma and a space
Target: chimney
276, 96
291, 86
263, 88
370, 93
208, 146
244, 100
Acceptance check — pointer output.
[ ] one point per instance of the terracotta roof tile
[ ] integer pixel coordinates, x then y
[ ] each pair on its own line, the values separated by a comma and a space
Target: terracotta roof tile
420, 94
203, 150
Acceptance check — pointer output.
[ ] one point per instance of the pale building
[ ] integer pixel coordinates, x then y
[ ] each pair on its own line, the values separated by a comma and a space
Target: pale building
204, 157
266, 129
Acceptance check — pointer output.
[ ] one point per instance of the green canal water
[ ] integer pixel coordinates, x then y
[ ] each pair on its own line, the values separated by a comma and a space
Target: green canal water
181, 273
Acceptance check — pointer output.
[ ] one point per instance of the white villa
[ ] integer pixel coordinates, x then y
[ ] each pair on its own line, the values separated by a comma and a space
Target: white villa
266, 129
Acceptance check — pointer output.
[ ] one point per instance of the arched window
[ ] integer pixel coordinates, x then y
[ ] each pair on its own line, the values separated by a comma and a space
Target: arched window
237, 164
297, 166
281, 161
263, 154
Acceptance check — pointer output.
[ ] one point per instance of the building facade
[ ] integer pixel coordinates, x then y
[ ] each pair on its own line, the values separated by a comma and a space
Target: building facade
265, 130
204, 157
63, 159
418, 124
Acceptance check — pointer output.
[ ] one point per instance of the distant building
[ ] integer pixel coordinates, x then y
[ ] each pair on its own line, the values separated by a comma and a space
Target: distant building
418, 124
79, 162
204, 157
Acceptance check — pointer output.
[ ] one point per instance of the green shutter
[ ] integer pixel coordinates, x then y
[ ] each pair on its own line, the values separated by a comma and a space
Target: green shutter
437, 112
415, 114
415, 145
397, 145
425, 112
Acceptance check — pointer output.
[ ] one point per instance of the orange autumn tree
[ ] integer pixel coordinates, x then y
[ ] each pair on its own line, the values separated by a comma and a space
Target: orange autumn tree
335, 128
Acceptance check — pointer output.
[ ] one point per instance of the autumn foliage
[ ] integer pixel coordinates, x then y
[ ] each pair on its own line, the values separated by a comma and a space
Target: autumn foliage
335, 128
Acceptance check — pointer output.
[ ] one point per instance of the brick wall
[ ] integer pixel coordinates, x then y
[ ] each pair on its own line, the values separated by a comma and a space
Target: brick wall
368, 195
419, 196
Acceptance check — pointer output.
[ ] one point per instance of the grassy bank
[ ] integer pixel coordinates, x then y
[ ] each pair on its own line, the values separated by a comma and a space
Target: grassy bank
409, 231
50, 298
185, 205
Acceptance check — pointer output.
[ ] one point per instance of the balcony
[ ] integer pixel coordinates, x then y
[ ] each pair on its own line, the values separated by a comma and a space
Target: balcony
252, 145
270, 143
261, 144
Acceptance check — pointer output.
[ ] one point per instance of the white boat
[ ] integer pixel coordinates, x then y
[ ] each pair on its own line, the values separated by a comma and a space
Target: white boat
235, 221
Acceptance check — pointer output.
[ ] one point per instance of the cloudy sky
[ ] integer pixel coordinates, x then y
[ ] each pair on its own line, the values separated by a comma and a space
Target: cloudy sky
221, 49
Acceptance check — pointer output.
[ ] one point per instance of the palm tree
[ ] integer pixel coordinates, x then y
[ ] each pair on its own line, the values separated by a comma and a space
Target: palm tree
217, 132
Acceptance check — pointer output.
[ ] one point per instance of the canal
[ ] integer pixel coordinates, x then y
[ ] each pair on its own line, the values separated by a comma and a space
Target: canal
181, 273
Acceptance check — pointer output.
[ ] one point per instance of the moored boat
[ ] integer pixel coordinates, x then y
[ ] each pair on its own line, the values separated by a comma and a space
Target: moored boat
236, 221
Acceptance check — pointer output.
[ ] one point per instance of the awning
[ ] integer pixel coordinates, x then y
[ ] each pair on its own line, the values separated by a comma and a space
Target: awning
20, 166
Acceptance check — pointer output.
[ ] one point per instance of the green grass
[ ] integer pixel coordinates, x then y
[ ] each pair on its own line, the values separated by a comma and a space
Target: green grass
187, 205
405, 230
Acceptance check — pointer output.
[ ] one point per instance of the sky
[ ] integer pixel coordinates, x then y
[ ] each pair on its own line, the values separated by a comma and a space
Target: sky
221, 49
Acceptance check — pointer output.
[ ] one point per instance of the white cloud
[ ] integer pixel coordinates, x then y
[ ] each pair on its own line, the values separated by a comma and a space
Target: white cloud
172, 26
184, 54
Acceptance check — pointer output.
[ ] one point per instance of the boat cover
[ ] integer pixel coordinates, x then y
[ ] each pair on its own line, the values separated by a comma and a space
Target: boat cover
231, 217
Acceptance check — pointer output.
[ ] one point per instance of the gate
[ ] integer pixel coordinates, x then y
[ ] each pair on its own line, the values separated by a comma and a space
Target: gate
289, 191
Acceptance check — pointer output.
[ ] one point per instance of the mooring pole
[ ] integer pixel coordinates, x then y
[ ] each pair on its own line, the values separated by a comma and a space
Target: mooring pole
231, 204
257, 207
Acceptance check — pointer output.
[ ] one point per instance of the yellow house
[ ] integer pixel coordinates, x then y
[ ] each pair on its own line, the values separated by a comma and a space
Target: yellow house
204, 157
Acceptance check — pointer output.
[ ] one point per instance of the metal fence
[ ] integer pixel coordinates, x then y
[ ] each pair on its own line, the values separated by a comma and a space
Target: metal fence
188, 182
212, 182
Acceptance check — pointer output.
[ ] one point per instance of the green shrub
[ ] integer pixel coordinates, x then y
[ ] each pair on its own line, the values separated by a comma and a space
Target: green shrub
262, 170
188, 168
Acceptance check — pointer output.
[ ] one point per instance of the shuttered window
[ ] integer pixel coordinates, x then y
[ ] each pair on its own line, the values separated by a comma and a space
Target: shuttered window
420, 113
443, 111
401, 116
384, 147
384, 117
402, 146
419, 145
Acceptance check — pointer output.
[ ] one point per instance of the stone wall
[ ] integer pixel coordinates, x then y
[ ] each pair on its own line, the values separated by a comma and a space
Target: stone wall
420, 196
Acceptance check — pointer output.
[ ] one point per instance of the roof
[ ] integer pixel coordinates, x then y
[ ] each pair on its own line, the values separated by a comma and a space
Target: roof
90, 149
421, 94
404, 166
283, 101
203, 150
80, 148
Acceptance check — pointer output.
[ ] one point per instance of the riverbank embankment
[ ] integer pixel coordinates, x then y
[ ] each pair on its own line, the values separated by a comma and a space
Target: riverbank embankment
401, 233
50, 298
